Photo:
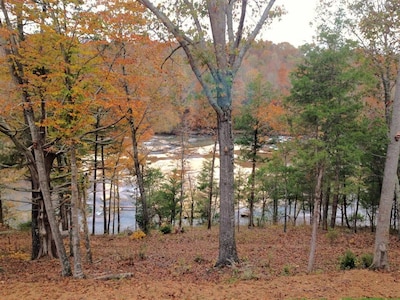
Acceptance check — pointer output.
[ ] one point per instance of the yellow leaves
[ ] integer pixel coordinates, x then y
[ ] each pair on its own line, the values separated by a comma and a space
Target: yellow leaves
137, 235
19, 255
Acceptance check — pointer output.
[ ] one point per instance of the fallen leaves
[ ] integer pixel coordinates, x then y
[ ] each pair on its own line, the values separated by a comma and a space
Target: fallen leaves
159, 266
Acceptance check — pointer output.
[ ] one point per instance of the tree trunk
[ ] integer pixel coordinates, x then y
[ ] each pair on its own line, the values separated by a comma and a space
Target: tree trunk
253, 178
83, 205
211, 186
96, 153
191, 201
78, 272
222, 64
1, 210
397, 195
227, 243
317, 204
356, 212
325, 208
42, 240
139, 177
388, 187
103, 182
38, 160
45, 189
183, 171
335, 200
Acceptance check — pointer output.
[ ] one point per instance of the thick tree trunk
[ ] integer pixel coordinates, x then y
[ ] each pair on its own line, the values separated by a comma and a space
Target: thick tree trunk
39, 162
388, 187
45, 190
227, 243
42, 240
397, 195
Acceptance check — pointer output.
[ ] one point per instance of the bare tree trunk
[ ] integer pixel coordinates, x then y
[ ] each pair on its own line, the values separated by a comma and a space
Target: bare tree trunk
78, 272
183, 171
103, 181
191, 200
381, 248
325, 209
1, 210
335, 200
118, 210
397, 193
222, 63
96, 153
253, 179
45, 189
211, 186
317, 204
356, 212
139, 176
227, 248
83, 205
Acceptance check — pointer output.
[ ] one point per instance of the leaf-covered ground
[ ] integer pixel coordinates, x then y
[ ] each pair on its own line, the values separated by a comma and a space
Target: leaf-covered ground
180, 266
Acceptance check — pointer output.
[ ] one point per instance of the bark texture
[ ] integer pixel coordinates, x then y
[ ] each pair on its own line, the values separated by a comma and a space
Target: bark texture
381, 247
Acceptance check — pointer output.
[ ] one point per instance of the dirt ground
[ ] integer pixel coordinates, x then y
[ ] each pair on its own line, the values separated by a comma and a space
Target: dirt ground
180, 266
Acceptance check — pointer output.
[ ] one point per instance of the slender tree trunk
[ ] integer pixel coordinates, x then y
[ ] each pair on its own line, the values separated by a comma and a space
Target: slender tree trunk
286, 193
356, 212
317, 204
139, 176
110, 203
335, 200
183, 171
211, 186
103, 181
114, 206
344, 211
96, 153
227, 248
253, 178
1, 210
191, 201
325, 208
83, 205
78, 271
118, 209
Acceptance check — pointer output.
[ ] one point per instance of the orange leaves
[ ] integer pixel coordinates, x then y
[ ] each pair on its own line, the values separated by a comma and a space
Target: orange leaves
272, 114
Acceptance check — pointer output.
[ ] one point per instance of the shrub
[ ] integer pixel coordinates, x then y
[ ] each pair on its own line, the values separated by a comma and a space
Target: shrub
348, 261
166, 229
286, 270
26, 226
138, 235
332, 235
366, 260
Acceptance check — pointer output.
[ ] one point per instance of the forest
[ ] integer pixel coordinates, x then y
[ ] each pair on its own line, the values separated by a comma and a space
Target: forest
306, 135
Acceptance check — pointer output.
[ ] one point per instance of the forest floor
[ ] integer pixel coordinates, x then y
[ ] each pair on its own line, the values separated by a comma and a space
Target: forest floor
180, 266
